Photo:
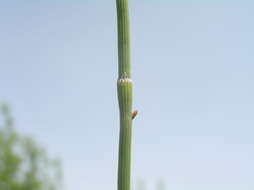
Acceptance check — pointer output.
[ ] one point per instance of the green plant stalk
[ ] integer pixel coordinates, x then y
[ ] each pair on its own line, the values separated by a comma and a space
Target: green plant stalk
124, 89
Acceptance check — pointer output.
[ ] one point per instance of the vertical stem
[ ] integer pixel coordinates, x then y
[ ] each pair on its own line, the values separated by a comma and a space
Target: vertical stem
123, 39
124, 89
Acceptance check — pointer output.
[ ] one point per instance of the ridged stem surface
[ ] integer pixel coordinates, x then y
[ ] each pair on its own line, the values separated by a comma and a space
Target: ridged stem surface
124, 89
124, 67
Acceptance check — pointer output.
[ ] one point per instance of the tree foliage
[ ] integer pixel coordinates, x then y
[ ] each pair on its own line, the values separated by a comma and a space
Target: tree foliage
24, 165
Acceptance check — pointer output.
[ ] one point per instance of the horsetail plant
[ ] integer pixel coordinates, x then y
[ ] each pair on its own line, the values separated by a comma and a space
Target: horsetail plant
124, 90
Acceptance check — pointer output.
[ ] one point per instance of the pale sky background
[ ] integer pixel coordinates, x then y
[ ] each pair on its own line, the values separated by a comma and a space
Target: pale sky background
193, 73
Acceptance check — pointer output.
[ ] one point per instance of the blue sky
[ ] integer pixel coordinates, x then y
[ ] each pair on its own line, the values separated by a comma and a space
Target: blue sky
193, 73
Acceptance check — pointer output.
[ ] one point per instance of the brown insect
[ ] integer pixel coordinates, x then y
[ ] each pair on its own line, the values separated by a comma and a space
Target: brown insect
134, 114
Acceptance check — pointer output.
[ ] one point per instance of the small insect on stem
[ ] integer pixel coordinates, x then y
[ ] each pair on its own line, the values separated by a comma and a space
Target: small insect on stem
134, 114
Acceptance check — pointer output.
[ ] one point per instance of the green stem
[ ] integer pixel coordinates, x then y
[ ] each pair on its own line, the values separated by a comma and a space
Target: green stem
123, 39
124, 89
